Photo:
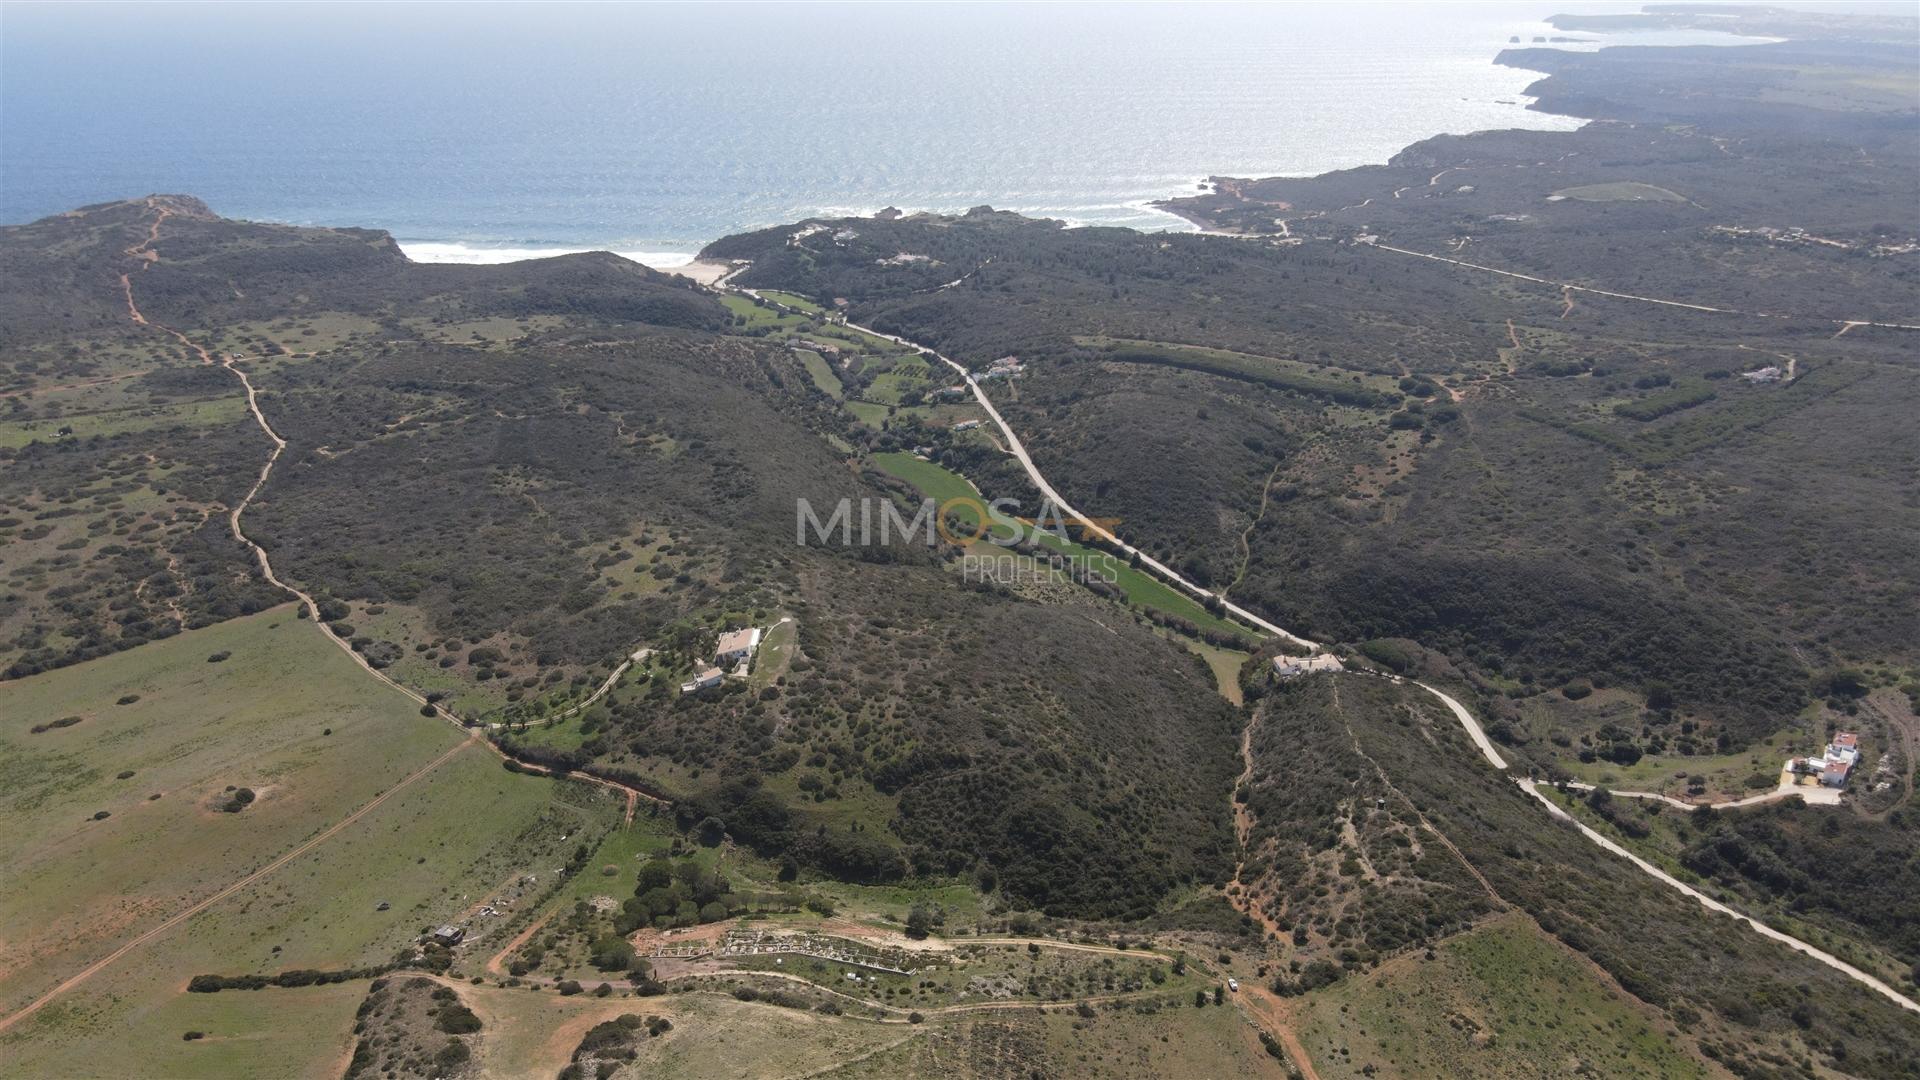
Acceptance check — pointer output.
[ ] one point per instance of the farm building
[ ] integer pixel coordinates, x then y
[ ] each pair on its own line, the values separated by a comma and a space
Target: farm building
448, 935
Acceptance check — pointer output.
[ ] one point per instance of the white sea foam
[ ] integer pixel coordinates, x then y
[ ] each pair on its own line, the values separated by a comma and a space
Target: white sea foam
435, 251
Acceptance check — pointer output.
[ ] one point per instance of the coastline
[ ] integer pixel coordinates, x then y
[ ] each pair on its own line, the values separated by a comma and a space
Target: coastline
440, 251
1178, 219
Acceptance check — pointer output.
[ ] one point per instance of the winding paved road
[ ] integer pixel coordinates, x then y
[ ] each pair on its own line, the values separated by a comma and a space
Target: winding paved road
1466, 718
1533, 788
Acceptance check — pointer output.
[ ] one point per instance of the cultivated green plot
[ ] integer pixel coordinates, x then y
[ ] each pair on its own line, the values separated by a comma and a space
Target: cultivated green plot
960, 498
889, 386
792, 300
758, 317
121, 801
868, 413
822, 374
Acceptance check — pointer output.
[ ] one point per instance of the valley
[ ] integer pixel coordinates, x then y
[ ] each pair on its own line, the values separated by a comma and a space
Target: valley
1365, 641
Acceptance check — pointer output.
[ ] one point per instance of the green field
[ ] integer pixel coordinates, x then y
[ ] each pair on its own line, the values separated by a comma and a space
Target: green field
1140, 587
822, 374
76, 886
758, 317
888, 386
532, 1035
209, 413
868, 413
1501, 1000
859, 340
1165, 1036
1347, 389
792, 300
1225, 665
290, 717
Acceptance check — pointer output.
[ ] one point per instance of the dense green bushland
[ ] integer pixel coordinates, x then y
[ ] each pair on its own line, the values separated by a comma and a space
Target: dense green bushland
1712, 976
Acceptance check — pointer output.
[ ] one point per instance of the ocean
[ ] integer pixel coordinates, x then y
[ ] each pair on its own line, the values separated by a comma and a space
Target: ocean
491, 132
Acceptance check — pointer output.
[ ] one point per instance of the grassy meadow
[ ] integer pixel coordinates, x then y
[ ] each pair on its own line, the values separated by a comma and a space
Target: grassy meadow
1501, 1000
289, 717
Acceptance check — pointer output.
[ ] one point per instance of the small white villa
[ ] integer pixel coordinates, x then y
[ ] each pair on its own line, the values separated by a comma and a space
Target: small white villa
701, 680
1834, 765
1292, 667
736, 646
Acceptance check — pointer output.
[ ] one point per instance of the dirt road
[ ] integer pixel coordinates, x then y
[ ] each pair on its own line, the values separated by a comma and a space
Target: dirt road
1568, 288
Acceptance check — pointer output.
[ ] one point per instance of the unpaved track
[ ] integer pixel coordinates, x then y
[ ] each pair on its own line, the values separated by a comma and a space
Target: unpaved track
1568, 288
1275, 1017
576, 708
144, 251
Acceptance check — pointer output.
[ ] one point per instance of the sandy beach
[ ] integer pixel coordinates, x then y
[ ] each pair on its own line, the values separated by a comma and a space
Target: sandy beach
706, 273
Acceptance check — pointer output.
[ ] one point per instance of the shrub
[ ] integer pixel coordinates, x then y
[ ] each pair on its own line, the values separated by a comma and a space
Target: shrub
457, 1019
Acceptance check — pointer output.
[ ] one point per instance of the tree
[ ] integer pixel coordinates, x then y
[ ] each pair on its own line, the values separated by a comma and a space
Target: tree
613, 953
457, 1019
1659, 696
654, 874
919, 921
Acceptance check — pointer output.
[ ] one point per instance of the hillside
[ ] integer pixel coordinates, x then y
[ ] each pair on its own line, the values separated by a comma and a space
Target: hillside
1491, 397
464, 671
499, 481
1411, 801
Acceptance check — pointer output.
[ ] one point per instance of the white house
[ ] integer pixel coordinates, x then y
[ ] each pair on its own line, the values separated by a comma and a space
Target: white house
701, 680
1836, 763
1290, 667
736, 646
